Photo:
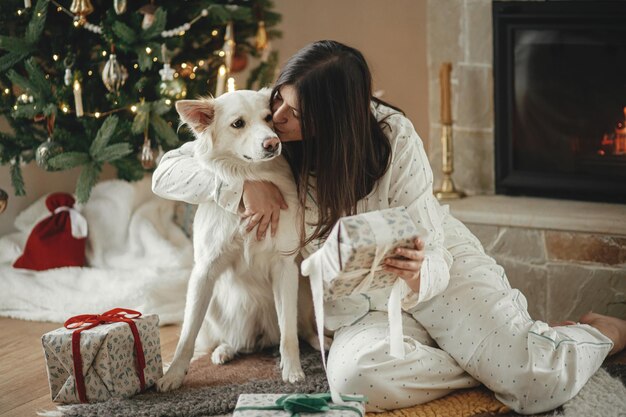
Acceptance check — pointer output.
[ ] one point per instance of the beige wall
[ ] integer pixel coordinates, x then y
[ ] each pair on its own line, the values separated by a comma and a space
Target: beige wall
391, 35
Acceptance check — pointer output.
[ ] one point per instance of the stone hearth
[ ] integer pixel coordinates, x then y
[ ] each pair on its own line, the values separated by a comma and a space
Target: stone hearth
566, 257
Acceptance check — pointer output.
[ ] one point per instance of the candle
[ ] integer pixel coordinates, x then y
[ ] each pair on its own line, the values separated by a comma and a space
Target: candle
221, 81
78, 99
444, 81
230, 85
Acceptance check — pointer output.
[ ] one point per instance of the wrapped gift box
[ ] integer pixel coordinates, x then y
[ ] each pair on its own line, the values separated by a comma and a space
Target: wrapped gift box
351, 258
266, 405
109, 360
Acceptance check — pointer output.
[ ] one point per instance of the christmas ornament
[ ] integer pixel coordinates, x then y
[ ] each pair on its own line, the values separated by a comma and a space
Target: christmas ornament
173, 89
67, 79
146, 157
229, 46
240, 61
114, 74
4, 200
78, 98
81, 8
119, 6
45, 151
261, 37
148, 15
170, 87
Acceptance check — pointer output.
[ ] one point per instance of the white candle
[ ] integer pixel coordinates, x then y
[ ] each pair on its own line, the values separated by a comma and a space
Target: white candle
78, 99
230, 85
221, 81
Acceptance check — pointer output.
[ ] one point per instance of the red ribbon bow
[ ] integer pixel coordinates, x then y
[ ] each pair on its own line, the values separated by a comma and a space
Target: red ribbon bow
89, 321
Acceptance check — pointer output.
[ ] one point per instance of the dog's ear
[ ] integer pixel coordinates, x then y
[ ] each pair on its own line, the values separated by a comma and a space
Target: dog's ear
198, 114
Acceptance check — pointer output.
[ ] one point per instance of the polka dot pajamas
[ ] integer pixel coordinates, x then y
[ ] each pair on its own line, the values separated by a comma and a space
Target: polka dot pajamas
480, 331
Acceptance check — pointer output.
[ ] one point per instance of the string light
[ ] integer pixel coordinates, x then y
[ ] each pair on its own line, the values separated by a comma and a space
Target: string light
155, 59
168, 101
104, 53
65, 109
133, 108
97, 114
214, 32
7, 91
55, 57
192, 76
19, 12
90, 73
148, 50
201, 63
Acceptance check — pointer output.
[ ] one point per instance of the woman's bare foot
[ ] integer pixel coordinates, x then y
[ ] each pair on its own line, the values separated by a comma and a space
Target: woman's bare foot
611, 327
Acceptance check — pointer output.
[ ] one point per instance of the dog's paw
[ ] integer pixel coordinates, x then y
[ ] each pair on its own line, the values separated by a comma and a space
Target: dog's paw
293, 374
172, 379
222, 354
292, 371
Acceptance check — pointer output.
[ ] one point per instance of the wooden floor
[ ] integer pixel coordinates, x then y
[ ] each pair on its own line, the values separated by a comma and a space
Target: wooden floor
23, 378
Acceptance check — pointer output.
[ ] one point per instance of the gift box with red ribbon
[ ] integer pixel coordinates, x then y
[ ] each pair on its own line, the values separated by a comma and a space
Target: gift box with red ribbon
95, 357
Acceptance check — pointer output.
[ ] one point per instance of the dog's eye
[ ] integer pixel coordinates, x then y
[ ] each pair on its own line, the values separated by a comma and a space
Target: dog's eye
238, 124
268, 118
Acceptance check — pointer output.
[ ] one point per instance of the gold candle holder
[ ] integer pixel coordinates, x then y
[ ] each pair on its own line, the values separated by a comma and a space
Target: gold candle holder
447, 191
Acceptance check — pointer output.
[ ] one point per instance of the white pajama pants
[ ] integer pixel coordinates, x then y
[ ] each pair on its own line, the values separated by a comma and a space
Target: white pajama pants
478, 329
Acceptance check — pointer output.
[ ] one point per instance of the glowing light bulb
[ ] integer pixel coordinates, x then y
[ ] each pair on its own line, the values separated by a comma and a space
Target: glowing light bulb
183, 65
55, 57
104, 53
133, 108
97, 114
148, 49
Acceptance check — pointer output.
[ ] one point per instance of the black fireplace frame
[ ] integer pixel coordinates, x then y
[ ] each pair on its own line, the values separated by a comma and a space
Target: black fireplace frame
509, 16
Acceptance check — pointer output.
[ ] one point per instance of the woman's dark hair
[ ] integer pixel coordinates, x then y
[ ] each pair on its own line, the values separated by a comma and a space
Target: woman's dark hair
343, 149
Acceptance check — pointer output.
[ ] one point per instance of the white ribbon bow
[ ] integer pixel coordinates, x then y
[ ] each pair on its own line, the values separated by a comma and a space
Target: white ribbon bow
77, 220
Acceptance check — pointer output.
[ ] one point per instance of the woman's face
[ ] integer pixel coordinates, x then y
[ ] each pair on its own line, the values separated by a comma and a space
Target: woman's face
286, 114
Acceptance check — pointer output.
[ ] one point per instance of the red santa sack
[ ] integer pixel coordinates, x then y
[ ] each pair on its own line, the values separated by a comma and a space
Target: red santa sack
57, 240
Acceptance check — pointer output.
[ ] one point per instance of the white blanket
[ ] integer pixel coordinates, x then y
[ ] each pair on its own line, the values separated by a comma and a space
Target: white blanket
138, 258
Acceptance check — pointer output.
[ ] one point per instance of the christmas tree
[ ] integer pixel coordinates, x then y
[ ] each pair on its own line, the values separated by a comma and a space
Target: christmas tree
88, 82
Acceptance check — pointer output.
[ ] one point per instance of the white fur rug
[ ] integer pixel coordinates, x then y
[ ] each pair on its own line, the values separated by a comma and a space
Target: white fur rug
138, 258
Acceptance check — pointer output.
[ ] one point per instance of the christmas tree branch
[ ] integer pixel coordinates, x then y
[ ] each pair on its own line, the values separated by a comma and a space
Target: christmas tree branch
16, 178
38, 21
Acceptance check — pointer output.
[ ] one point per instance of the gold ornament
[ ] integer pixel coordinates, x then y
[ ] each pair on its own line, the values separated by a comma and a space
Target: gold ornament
45, 151
4, 200
81, 8
146, 157
261, 37
119, 6
114, 74
148, 15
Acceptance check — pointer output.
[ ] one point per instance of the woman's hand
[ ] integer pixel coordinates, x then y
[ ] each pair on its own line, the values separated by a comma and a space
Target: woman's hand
407, 264
262, 201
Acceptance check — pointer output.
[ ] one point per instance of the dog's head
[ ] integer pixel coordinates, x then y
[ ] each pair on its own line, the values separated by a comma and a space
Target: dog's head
238, 123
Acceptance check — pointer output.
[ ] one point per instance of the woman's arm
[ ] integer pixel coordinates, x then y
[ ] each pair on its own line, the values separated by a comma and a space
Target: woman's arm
179, 176
411, 186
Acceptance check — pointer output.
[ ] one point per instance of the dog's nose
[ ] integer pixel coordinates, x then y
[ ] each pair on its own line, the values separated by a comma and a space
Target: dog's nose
271, 144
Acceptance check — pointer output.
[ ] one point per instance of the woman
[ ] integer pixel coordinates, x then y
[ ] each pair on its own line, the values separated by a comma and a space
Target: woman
463, 323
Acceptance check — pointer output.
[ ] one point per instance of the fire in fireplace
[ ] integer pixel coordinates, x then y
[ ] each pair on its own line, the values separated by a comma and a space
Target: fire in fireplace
560, 99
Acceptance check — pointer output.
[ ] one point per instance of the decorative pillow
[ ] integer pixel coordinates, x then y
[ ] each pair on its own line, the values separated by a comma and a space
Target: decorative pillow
58, 240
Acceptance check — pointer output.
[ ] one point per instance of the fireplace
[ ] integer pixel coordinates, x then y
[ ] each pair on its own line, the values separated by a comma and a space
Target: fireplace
560, 99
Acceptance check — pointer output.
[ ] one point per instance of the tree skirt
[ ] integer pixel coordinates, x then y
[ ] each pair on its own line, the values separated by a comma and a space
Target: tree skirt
211, 390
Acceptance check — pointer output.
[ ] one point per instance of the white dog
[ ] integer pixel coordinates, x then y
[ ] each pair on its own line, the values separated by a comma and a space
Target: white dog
249, 287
